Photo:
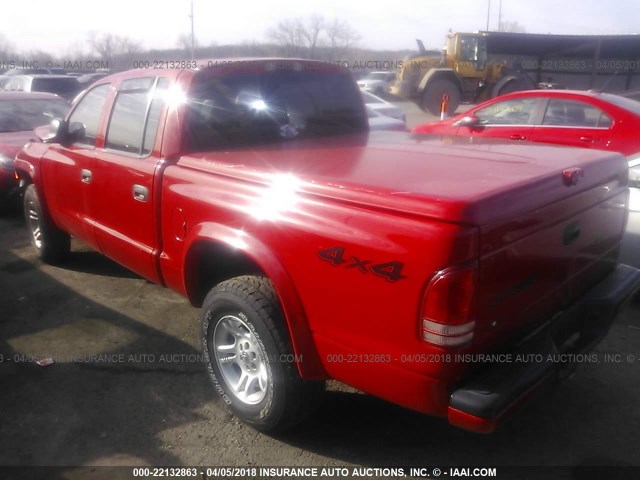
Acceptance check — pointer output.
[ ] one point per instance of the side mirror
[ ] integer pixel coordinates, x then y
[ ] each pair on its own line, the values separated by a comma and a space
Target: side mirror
76, 132
468, 121
57, 131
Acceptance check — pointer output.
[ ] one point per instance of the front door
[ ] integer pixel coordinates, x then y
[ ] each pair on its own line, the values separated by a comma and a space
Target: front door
67, 173
510, 119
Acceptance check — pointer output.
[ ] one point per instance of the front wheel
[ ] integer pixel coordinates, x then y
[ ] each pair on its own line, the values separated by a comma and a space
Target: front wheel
249, 355
51, 243
433, 93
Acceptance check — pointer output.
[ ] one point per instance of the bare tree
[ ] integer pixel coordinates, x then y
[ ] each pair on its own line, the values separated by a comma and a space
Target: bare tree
287, 34
184, 42
77, 50
305, 37
342, 37
310, 31
512, 26
116, 50
40, 58
7, 50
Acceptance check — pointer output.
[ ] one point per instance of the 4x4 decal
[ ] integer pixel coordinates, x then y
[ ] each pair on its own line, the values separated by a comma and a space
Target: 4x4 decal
391, 271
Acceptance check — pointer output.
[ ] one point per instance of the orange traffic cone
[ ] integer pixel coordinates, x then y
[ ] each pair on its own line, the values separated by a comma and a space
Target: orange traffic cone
444, 106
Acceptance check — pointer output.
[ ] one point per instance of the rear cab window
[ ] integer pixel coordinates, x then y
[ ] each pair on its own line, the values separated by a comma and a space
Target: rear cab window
250, 108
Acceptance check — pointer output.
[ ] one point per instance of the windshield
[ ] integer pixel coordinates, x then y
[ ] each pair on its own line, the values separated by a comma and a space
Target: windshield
25, 115
628, 104
275, 106
474, 49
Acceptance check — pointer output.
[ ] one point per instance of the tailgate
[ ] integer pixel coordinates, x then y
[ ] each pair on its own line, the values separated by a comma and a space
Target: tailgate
534, 266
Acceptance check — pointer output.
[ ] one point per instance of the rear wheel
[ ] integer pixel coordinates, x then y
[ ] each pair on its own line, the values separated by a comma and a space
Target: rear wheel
51, 243
432, 97
249, 356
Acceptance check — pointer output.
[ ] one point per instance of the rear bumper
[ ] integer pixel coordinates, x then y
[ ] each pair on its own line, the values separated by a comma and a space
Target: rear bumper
487, 398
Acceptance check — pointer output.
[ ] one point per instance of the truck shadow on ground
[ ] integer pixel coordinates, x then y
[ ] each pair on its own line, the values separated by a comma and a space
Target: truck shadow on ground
104, 397
92, 262
578, 424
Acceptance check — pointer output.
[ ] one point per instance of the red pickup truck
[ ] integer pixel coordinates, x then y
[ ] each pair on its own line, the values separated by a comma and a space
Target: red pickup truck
318, 250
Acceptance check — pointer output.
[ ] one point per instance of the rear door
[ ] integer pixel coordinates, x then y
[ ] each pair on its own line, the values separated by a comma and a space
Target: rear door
511, 119
67, 171
125, 193
575, 123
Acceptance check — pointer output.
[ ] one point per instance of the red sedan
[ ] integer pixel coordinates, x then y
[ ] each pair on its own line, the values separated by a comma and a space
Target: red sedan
20, 113
577, 118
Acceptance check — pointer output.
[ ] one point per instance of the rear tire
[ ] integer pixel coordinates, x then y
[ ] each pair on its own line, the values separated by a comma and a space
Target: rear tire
249, 356
432, 97
51, 243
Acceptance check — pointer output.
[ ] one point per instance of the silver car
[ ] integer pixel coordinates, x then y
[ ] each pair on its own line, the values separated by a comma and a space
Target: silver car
377, 83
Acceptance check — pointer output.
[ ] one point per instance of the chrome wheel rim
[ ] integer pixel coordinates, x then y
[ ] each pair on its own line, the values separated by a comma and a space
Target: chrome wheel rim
34, 224
241, 360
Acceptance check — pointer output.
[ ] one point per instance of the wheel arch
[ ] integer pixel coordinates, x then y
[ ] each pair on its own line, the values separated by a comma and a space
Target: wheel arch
28, 170
216, 253
507, 79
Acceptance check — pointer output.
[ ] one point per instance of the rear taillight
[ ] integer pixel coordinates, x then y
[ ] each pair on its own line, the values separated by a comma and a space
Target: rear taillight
448, 311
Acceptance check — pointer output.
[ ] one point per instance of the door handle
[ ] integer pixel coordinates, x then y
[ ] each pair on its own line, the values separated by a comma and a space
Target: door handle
589, 139
517, 137
140, 193
85, 175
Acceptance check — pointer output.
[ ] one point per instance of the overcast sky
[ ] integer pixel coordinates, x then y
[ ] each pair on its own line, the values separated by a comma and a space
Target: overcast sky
55, 25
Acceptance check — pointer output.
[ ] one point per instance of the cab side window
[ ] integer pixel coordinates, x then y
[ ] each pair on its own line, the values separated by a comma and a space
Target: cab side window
509, 112
89, 111
135, 116
571, 113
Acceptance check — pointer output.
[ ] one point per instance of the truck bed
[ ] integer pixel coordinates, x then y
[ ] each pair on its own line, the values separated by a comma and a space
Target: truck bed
475, 183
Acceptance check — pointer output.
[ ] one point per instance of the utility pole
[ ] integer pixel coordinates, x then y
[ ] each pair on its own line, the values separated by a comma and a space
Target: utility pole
193, 35
488, 13
500, 16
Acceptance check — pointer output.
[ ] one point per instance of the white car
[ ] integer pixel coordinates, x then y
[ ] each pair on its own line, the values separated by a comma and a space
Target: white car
383, 107
62, 85
378, 121
377, 82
